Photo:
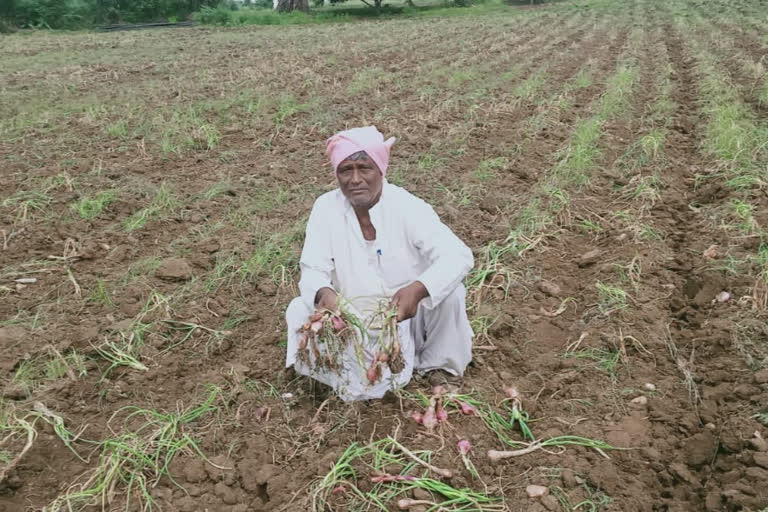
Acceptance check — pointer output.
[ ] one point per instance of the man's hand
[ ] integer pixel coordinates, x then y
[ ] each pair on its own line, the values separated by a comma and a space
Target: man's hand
326, 298
407, 300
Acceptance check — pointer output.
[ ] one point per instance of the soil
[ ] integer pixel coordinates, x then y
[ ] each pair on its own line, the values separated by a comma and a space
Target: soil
679, 404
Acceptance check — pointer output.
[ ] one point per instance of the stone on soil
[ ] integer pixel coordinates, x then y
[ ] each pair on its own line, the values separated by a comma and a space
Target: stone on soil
536, 491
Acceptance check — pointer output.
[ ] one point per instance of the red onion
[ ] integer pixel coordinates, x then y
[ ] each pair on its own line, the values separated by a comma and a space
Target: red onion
441, 413
464, 447
373, 373
338, 323
467, 409
428, 419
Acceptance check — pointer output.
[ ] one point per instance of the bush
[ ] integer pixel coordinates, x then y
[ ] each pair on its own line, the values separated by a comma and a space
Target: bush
214, 16
6, 28
70, 14
66, 14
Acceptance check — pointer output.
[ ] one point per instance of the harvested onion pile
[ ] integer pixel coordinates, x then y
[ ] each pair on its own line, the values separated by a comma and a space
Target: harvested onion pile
333, 331
327, 334
390, 351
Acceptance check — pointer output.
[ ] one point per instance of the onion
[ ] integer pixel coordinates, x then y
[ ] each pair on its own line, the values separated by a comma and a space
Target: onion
338, 323
303, 341
417, 417
408, 503
512, 392
429, 420
373, 373
316, 326
382, 357
467, 409
463, 446
392, 478
441, 413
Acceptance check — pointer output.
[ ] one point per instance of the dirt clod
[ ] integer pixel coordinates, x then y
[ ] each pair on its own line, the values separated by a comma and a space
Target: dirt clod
761, 377
549, 288
700, 449
194, 471
226, 493
758, 443
421, 494
569, 479
683, 474
550, 503
589, 258
761, 459
14, 392
174, 269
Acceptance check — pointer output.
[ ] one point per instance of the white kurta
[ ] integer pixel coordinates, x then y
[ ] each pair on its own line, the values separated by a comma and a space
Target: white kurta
412, 244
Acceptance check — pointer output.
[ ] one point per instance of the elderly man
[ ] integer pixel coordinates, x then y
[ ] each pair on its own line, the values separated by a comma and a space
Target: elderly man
369, 241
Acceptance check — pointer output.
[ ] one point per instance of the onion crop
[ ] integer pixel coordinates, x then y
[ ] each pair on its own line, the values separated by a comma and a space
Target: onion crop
333, 331
599, 446
464, 447
326, 335
435, 413
514, 405
389, 338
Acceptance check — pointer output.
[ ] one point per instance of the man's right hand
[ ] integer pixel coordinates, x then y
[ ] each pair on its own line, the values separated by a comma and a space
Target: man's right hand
327, 298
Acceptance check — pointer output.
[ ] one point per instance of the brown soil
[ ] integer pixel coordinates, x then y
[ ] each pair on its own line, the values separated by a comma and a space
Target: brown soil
689, 443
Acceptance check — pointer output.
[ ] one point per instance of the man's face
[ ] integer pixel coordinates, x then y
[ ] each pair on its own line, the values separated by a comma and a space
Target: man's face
360, 180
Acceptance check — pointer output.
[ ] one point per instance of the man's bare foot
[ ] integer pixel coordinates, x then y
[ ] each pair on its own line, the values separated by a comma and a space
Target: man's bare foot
443, 378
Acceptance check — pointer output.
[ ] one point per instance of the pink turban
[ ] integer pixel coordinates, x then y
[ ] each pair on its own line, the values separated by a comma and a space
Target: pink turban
368, 139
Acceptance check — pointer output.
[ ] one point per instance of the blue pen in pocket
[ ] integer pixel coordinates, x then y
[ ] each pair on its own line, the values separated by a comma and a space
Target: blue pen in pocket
378, 255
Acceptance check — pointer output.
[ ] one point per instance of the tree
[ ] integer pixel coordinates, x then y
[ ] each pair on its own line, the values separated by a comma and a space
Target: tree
292, 5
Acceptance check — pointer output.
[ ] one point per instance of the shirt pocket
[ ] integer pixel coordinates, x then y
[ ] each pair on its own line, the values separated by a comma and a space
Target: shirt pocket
396, 271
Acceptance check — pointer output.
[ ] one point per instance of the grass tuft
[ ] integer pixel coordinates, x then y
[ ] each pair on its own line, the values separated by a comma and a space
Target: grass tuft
91, 207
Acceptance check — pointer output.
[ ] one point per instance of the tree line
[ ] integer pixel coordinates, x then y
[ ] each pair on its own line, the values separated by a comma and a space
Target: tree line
69, 14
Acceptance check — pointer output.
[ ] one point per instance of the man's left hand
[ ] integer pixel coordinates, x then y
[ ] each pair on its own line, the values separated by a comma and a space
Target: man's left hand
407, 300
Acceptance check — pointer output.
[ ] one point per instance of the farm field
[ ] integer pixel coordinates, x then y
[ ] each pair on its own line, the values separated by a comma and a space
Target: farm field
606, 161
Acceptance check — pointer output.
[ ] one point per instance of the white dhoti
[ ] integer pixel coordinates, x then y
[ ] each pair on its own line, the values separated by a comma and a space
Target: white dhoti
438, 338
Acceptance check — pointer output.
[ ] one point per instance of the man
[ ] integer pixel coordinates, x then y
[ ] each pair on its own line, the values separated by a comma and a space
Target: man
369, 241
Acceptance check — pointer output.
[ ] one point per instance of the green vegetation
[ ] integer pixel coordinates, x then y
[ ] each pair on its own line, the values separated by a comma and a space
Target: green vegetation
135, 460
634, 128
164, 202
226, 16
377, 457
91, 207
70, 14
